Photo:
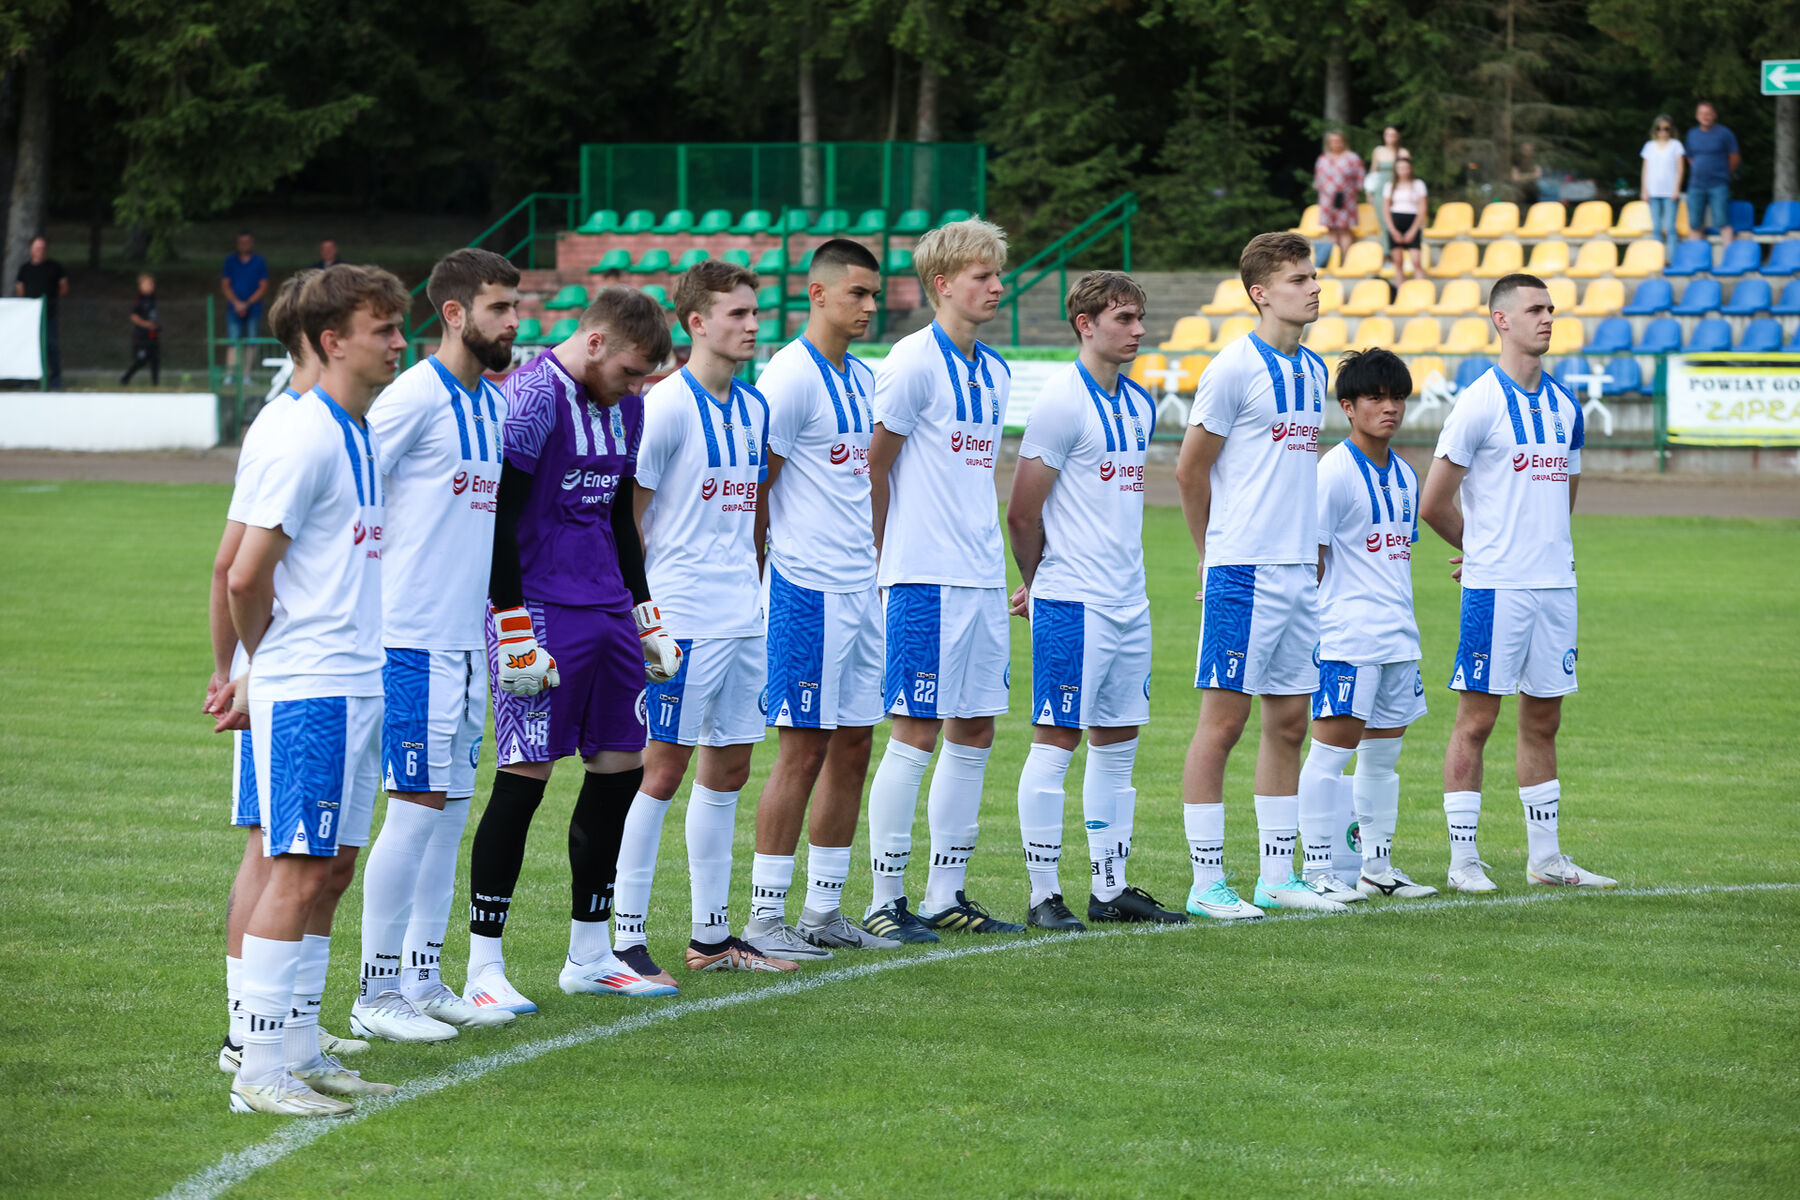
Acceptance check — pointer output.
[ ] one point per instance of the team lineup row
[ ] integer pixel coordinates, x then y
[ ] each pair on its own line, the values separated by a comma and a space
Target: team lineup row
651, 578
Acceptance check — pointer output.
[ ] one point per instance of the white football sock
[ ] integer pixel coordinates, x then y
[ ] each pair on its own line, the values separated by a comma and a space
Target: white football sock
1109, 807
390, 876
893, 804
422, 954
269, 969
588, 942
637, 868
1318, 806
485, 953
953, 813
1541, 802
300, 1040
711, 818
1205, 827
234, 1000
827, 869
1277, 827
771, 877
1462, 812
1376, 789
1041, 817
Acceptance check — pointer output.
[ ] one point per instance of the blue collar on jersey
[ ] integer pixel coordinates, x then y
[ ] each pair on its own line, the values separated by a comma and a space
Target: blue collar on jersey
362, 462
953, 356
484, 390
708, 406
1374, 476
1108, 408
288, 391
1278, 365
1547, 389
860, 408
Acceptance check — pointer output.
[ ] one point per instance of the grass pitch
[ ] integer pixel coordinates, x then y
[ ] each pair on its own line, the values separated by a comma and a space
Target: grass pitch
1634, 1043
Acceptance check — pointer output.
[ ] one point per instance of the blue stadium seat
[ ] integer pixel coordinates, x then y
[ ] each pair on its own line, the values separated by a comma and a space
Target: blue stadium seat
1793, 344
1710, 336
1572, 365
1761, 336
1661, 336
1691, 258
1471, 369
1698, 298
1748, 297
1613, 336
1627, 377
1789, 304
1784, 258
1782, 216
1742, 257
1649, 298
1743, 215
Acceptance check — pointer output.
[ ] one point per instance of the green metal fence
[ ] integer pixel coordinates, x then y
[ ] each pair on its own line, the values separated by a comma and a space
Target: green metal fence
1055, 258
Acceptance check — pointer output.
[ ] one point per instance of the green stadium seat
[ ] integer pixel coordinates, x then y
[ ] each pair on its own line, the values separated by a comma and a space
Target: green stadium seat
660, 294
954, 214
680, 336
601, 220
613, 260
794, 220
530, 330
572, 296
691, 258
638, 220
912, 222
768, 330
768, 297
831, 222
872, 223
755, 221
899, 260
654, 260
714, 220
772, 262
737, 256
801, 265
679, 220
563, 329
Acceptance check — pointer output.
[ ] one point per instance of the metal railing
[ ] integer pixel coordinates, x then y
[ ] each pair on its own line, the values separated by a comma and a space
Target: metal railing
527, 245
1055, 258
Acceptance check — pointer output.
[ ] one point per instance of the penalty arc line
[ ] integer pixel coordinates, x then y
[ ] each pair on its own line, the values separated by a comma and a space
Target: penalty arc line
237, 1167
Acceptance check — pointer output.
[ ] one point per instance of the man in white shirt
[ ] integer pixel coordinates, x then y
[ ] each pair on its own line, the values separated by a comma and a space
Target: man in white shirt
305, 595
1076, 521
1512, 448
825, 636
1370, 688
940, 407
1247, 474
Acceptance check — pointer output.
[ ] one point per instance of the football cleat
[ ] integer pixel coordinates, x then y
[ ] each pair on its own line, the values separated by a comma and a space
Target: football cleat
330, 1043
231, 1055
967, 916
1296, 893
1395, 884
1221, 903
637, 960
782, 940
286, 1097
1473, 878
489, 989
1561, 871
1132, 904
607, 976
1331, 886
735, 954
441, 1004
895, 922
1052, 913
393, 1017
329, 1077
835, 930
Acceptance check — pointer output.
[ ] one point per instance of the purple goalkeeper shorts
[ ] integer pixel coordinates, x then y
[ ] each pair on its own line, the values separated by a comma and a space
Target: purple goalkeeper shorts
599, 705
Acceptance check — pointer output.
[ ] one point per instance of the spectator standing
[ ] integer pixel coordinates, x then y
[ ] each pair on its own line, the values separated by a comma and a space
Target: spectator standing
328, 255
1403, 211
1338, 178
1712, 153
1527, 174
1381, 173
146, 333
43, 278
244, 281
1660, 186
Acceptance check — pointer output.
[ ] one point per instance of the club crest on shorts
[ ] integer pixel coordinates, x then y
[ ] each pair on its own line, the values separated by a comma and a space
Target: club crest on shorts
762, 702
1146, 687
1569, 662
475, 752
1418, 683
643, 706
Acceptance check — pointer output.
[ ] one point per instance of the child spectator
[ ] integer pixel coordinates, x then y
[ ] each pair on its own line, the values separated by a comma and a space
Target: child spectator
146, 333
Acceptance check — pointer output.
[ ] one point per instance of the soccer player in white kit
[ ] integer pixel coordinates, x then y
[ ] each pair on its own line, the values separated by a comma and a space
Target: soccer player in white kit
700, 468
1512, 448
437, 436
1076, 521
1247, 475
940, 407
305, 592
825, 629
1370, 688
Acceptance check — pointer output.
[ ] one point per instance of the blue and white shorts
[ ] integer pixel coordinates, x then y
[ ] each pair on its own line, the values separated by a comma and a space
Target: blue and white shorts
718, 696
244, 810
948, 651
436, 707
1517, 640
1090, 664
825, 656
1389, 696
318, 771
1259, 628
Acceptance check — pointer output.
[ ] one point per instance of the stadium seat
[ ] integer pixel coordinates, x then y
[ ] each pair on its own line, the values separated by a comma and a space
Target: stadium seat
1793, 344
1748, 298
1573, 364
690, 258
638, 220
1594, 260
1143, 368
563, 329
1324, 255
1625, 377
911, 223
872, 223
1331, 296
1419, 336
1634, 220
1784, 258
1423, 365
794, 220
572, 296
1368, 222
1364, 259
1562, 293
1547, 218
713, 221
1327, 335
1698, 298
1372, 332
1782, 216
768, 297
1603, 298
655, 261
678, 220
1682, 228
615, 259
1761, 336
1643, 258
1550, 258
1650, 297
756, 221
1459, 298
1710, 336
772, 262
1612, 336
1310, 226
1471, 335
1566, 335
1230, 330
737, 256
1229, 297
830, 223
1499, 218
1789, 304
1661, 336
1742, 257
1190, 333
899, 260
1413, 299
1454, 260
1741, 215
680, 336
1471, 369
1191, 366
1366, 299
660, 294
1456, 217
601, 220
531, 329
954, 214
1592, 218
1691, 258
768, 331
1502, 258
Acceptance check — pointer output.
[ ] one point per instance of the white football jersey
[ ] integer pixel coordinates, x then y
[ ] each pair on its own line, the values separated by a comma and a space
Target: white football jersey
1094, 515
943, 519
1268, 408
439, 457
1368, 523
820, 535
705, 462
320, 487
1520, 449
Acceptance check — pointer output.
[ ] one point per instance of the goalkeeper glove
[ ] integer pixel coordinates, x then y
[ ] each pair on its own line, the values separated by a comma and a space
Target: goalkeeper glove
662, 657
526, 668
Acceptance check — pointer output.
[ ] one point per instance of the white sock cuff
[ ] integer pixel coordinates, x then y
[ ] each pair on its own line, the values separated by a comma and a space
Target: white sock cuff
1203, 822
234, 977
1278, 812
1541, 793
975, 756
1331, 760
1117, 751
412, 824
705, 795
1380, 755
909, 754
1053, 757
1462, 802
828, 862
773, 869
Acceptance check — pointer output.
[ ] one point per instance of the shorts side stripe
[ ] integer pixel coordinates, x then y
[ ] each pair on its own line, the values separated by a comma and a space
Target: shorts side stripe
914, 631
1330, 698
1058, 652
796, 653
1475, 643
308, 745
664, 699
245, 810
1225, 627
406, 718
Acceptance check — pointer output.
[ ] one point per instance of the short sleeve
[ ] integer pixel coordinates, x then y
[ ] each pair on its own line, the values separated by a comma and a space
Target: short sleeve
1648, 150
1217, 401
289, 487
1462, 434
398, 417
1420, 191
789, 401
225, 268
262, 268
1680, 150
1731, 146
1052, 430
531, 408
901, 394
662, 436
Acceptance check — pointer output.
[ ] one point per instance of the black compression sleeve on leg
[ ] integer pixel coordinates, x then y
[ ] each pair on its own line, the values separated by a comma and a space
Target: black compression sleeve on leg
595, 830
506, 588
629, 546
499, 850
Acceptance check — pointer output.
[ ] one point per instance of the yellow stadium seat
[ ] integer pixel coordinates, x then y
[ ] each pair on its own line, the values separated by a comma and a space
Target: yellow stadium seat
1603, 298
1548, 258
1455, 260
1562, 293
1502, 258
1420, 336
1190, 366
1422, 366
1367, 223
1682, 228
1373, 331
1415, 296
1228, 298
1364, 259
1230, 330
1596, 259
1566, 336
1642, 258
1544, 219
1327, 335
1592, 219
1634, 219
1471, 335
1142, 368
1331, 296
1190, 333
1499, 219
1366, 299
1456, 217
1310, 226
1460, 297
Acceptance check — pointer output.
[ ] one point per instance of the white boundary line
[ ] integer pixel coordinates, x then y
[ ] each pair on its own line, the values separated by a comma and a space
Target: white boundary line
234, 1169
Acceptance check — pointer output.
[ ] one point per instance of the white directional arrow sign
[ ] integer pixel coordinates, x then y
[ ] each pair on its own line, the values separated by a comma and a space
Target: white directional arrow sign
1781, 77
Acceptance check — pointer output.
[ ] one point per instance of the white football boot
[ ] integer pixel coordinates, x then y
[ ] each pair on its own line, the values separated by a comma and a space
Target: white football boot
490, 989
1394, 884
393, 1017
1472, 878
329, 1077
607, 976
1333, 888
441, 1004
286, 1097
1561, 871
1296, 893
